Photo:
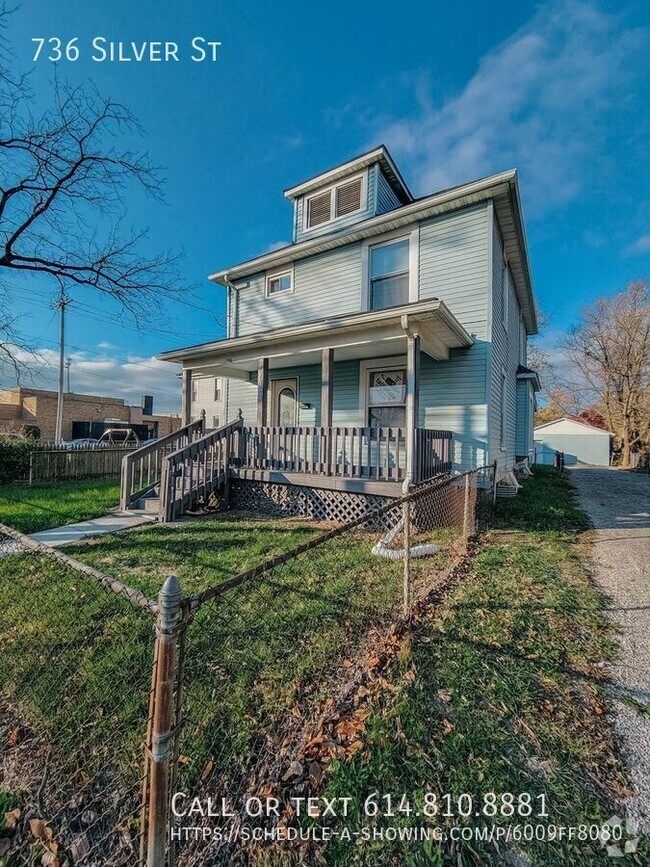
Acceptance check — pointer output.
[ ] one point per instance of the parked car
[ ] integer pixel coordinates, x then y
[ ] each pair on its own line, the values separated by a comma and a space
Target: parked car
119, 436
83, 443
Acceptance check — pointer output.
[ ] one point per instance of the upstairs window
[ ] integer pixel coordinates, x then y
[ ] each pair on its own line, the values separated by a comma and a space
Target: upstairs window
389, 274
278, 283
338, 201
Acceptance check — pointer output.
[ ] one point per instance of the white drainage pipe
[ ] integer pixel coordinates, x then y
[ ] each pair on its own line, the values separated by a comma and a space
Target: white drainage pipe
381, 549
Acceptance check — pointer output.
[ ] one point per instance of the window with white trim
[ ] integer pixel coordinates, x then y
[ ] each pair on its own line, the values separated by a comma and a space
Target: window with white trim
217, 389
389, 274
337, 201
276, 284
216, 422
387, 398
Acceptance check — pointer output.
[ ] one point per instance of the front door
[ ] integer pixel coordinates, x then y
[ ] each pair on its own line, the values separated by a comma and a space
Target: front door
284, 402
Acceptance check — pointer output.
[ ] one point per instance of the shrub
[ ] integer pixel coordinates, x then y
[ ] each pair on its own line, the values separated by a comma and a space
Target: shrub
14, 457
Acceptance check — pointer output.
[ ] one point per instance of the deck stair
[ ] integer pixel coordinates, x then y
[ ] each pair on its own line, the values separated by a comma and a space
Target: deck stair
180, 472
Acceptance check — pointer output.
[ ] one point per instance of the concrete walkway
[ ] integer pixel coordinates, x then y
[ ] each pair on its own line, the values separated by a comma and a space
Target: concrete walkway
618, 504
95, 527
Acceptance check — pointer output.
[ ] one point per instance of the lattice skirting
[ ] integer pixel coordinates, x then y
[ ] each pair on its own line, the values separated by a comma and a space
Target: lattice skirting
298, 501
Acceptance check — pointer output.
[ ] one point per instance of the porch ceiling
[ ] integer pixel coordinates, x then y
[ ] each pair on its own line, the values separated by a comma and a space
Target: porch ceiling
370, 334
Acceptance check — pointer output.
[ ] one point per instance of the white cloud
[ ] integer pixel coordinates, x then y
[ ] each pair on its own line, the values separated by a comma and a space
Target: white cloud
104, 344
536, 102
111, 377
276, 245
641, 245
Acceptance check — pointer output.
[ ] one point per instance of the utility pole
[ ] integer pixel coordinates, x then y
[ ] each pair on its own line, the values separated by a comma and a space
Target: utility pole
61, 304
68, 365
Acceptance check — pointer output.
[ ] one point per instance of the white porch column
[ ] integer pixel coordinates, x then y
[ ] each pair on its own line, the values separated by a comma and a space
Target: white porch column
412, 388
327, 371
187, 395
262, 392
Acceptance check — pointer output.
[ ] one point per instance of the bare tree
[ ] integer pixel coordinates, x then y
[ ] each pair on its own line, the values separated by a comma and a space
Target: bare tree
611, 349
65, 183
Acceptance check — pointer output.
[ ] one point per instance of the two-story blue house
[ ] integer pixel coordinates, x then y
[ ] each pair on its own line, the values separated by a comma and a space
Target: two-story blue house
385, 344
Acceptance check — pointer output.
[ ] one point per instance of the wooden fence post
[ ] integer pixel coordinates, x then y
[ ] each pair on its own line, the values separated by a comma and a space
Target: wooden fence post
162, 729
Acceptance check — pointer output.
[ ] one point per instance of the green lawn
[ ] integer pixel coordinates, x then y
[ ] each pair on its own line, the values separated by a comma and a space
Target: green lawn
255, 656
502, 691
51, 504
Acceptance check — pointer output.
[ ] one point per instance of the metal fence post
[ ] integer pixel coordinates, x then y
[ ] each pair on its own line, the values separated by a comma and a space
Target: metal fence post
466, 510
162, 730
406, 518
494, 482
31, 468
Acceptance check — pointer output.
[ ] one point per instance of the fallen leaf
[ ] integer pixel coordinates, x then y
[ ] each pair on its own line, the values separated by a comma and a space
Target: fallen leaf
15, 736
11, 818
295, 769
315, 773
37, 829
447, 727
444, 694
207, 770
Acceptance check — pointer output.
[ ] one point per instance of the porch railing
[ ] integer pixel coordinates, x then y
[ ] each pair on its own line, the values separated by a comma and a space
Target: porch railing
349, 452
432, 453
141, 468
199, 468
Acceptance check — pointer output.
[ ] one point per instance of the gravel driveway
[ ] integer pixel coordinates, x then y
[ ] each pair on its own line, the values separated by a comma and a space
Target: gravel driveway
618, 504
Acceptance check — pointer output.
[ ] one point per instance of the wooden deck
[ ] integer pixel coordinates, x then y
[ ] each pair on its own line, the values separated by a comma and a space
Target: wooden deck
360, 460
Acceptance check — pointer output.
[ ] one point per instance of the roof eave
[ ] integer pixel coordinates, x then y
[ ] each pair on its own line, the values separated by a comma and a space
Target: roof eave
404, 214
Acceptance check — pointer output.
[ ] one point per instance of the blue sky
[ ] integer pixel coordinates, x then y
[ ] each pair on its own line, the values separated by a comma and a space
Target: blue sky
559, 90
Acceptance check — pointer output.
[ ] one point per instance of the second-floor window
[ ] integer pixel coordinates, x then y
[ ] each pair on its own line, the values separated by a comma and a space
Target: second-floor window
277, 283
389, 274
217, 390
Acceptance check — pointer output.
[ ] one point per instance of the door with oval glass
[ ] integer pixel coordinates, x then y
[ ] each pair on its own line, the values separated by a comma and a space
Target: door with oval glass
283, 400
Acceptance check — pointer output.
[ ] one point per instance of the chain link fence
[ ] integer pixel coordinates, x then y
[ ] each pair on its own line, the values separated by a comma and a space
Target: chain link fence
76, 652
246, 694
267, 662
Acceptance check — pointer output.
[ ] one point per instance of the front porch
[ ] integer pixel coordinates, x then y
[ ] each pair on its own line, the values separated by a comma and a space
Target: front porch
329, 405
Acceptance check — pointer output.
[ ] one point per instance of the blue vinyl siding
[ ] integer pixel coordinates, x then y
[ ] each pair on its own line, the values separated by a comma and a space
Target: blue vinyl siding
505, 356
323, 284
453, 259
524, 441
386, 196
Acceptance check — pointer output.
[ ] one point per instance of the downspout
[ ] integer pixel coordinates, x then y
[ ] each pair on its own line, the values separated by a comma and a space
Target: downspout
231, 288
410, 391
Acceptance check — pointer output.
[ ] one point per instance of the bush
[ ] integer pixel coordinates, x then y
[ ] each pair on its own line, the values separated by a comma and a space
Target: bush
14, 457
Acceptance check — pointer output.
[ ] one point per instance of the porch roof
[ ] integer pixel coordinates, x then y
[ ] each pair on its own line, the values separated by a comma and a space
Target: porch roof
370, 334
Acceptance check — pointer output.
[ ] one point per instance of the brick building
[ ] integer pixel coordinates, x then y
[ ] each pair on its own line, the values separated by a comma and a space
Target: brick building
25, 408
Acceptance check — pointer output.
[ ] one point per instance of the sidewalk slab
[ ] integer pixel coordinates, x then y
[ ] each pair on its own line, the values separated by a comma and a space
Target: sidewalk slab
96, 527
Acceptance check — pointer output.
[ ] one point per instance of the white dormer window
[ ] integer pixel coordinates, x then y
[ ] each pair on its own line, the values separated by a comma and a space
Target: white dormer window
337, 201
277, 284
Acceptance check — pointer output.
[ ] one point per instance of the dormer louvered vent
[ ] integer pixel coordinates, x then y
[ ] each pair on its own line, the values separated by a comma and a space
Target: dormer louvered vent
339, 200
348, 198
319, 209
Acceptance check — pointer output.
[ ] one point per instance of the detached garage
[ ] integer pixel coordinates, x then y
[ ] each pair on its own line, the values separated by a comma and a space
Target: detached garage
580, 441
